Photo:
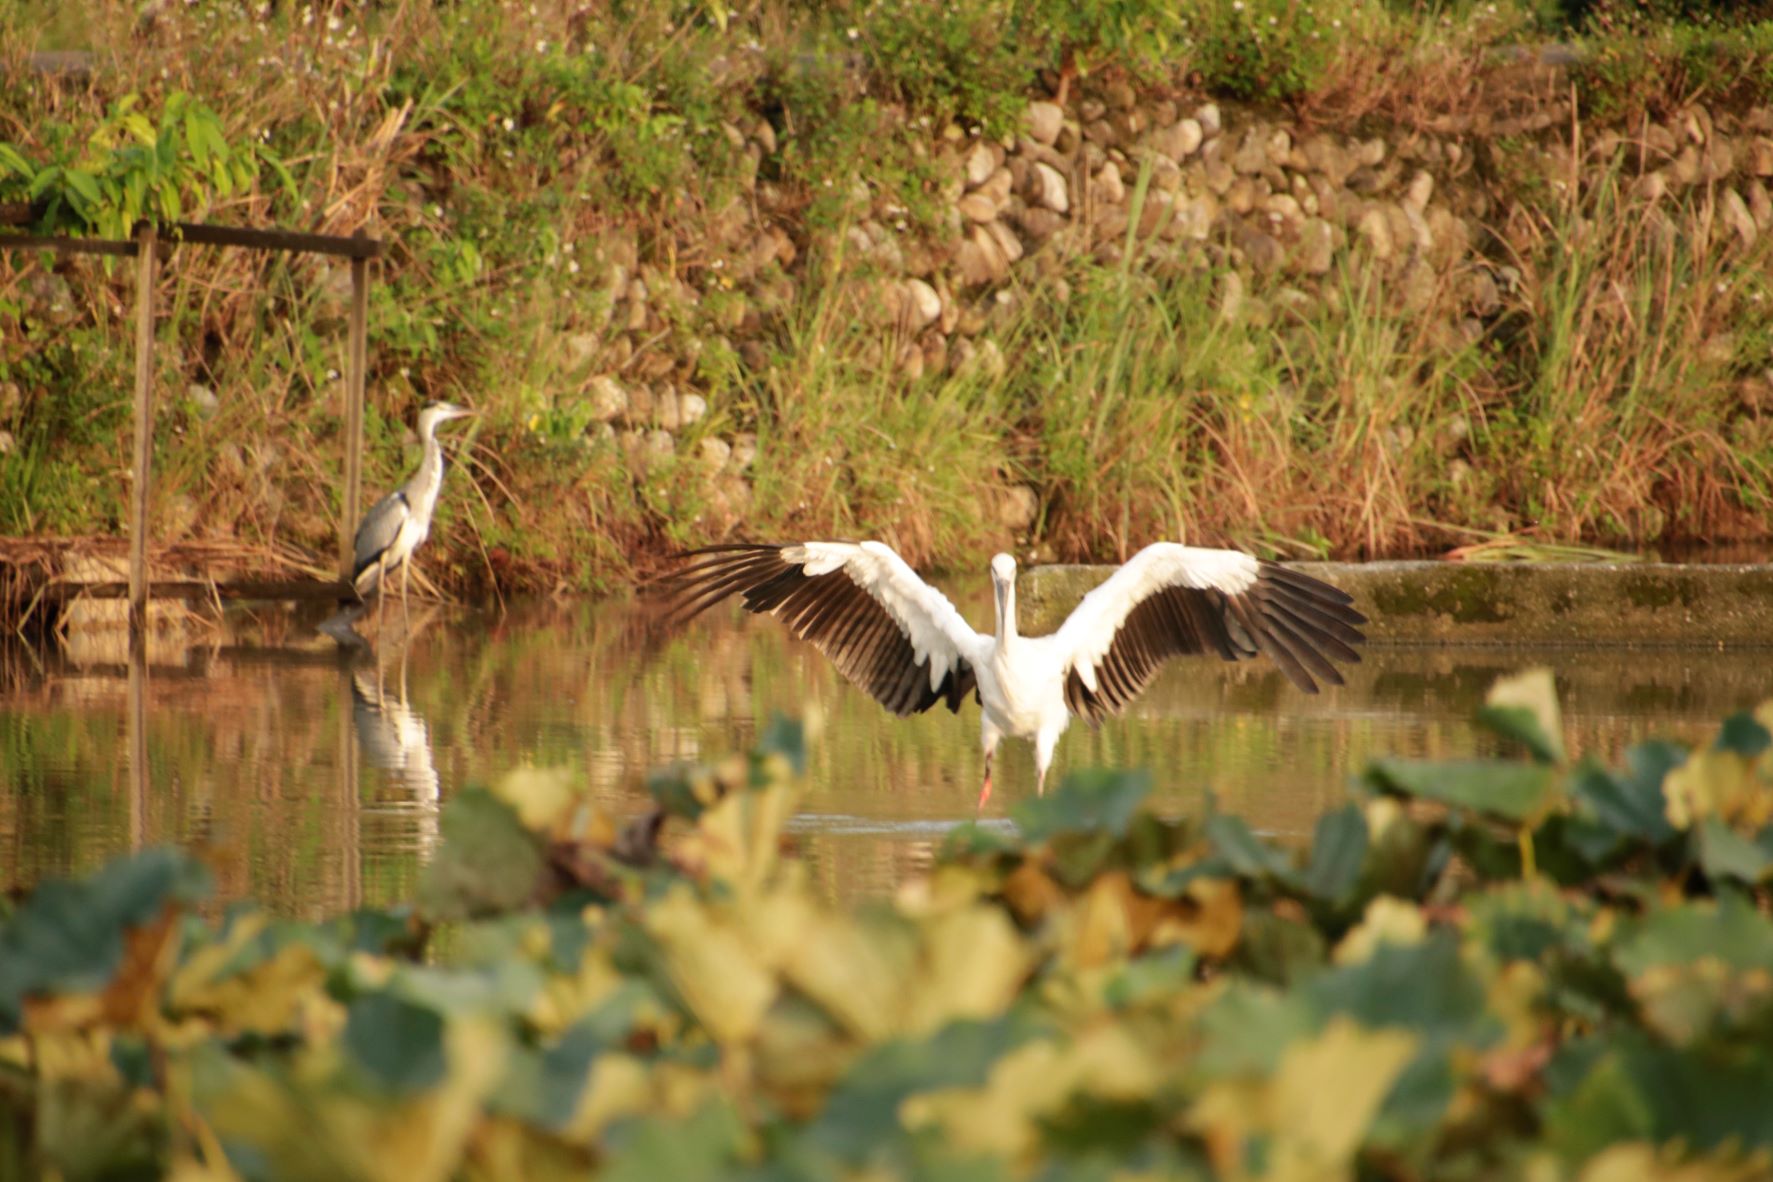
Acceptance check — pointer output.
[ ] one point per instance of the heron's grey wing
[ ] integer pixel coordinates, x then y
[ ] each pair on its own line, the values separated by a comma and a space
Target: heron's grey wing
381, 525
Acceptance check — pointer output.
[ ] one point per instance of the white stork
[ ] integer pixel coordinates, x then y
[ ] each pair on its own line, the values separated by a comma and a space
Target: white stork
900, 639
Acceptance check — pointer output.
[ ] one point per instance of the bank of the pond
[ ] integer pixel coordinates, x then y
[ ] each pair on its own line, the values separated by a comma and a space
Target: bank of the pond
812, 273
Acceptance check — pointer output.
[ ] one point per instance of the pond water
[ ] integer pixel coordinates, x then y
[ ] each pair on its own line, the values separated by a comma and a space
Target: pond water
314, 783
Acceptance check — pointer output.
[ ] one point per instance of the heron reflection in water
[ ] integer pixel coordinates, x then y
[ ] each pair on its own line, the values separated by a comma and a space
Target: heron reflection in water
395, 738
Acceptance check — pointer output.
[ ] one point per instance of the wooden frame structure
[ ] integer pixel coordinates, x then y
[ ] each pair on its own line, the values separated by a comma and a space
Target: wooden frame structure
145, 246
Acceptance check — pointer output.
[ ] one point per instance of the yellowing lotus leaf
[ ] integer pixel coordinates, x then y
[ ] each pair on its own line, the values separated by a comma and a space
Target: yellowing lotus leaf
1097, 929
1717, 783
738, 840
1001, 1117
1533, 691
266, 998
1315, 1109
422, 1140
856, 970
1683, 1001
619, 1086
1210, 918
711, 965
1639, 1161
973, 962
1387, 920
1324, 1094
544, 798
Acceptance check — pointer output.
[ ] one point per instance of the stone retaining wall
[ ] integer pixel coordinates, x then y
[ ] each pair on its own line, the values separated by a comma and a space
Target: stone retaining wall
1232, 188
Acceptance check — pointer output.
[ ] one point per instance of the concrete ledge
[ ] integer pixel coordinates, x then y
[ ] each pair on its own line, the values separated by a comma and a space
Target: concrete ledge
1589, 603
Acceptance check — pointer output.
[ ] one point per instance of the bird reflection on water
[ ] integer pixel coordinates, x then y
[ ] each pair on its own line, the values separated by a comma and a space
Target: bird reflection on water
395, 738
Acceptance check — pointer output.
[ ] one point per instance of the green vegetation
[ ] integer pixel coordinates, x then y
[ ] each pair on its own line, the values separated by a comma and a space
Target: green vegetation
1512, 966
707, 198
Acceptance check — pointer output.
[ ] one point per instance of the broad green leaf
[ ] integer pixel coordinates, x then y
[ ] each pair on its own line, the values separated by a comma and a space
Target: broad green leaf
1151, 978
1530, 922
1525, 708
1512, 791
704, 1147
13, 162
1743, 734
1637, 1090
1326, 1092
1087, 801
1338, 850
1424, 987
84, 185
137, 125
397, 1044
1249, 1027
710, 963
1246, 853
171, 206
862, 1116
489, 862
195, 143
1630, 802
1729, 929
69, 937
544, 1085
1725, 853
785, 737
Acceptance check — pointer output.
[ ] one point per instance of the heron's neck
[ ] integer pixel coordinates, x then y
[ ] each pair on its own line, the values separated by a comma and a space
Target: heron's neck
1006, 618
430, 465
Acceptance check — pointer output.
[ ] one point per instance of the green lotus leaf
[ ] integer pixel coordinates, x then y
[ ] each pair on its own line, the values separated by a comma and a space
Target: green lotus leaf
69, 937
1338, 851
1512, 791
1524, 708
396, 1043
489, 862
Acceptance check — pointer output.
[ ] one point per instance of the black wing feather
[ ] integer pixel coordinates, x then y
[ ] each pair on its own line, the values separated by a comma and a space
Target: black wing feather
832, 610
1300, 623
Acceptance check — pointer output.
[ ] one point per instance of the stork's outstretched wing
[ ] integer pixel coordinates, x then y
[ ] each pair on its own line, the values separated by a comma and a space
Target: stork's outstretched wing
884, 628
1169, 600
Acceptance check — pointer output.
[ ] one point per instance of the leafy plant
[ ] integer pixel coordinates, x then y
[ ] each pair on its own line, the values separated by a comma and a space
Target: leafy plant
1099, 988
131, 167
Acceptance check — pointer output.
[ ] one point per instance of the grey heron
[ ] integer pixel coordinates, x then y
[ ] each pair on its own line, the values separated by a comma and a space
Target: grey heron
902, 641
397, 524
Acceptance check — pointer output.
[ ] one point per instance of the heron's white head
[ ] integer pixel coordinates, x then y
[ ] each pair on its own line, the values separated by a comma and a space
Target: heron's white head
440, 412
1003, 568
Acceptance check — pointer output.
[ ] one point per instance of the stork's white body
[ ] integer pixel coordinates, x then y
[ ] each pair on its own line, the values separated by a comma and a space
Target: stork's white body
849, 598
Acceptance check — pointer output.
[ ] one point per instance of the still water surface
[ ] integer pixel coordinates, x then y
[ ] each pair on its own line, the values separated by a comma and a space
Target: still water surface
314, 784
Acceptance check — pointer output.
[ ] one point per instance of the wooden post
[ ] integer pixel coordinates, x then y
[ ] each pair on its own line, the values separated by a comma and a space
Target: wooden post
354, 378
145, 238
137, 728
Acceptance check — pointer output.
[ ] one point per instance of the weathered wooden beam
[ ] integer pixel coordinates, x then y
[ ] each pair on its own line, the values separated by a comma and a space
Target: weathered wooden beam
358, 246
146, 237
